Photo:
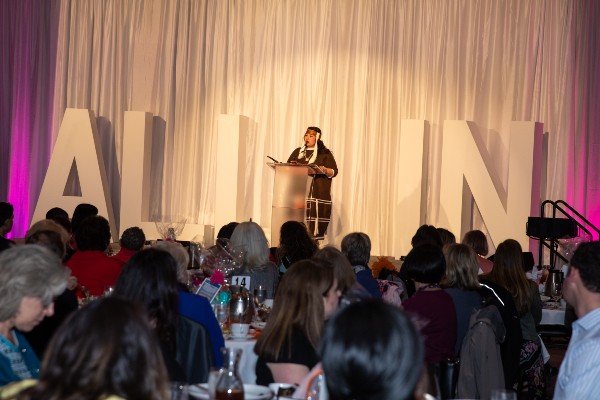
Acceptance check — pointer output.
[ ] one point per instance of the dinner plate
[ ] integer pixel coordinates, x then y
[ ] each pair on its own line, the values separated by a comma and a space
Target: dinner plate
251, 392
545, 298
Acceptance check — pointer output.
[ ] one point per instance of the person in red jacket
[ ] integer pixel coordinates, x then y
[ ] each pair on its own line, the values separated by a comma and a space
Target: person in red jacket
94, 270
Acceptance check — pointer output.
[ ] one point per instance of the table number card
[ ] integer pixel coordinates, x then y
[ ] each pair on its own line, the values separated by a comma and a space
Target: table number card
241, 280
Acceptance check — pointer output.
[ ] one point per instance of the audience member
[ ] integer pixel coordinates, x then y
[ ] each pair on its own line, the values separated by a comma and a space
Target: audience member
446, 236
132, 240
65, 303
580, 371
50, 225
262, 272
30, 277
356, 247
371, 351
82, 211
427, 234
105, 351
347, 284
424, 234
95, 271
150, 278
508, 273
287, 348
224, 234
6, 224
295, 243
56, 212
61, 217
432, 306
461, 283
478, 242
197, 308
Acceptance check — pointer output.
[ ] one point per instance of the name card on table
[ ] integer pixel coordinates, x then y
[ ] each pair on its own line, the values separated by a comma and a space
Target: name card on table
241, 280
208, 289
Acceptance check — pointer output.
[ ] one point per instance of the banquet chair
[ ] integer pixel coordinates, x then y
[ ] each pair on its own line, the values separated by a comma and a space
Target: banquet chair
194, 350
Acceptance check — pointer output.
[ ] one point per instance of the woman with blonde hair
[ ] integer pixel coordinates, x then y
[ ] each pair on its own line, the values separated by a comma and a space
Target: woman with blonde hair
508, 273
460, 282
287, 348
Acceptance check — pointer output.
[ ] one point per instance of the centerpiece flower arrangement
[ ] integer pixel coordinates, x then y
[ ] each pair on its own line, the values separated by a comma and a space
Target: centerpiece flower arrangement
382, 263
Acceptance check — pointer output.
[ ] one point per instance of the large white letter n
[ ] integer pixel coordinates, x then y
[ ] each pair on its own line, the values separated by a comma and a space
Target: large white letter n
463, 165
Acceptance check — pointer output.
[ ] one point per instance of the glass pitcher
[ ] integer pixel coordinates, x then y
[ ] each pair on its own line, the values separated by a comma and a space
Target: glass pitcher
230, 385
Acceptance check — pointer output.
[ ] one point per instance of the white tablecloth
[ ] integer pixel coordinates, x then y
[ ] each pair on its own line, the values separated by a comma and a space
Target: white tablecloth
553, 316
247, 366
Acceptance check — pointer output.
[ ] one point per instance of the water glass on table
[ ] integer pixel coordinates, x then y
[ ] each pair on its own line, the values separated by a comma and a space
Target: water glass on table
222, 314
260, 295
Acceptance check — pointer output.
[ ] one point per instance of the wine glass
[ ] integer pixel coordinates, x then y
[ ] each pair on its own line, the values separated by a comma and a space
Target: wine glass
260, 295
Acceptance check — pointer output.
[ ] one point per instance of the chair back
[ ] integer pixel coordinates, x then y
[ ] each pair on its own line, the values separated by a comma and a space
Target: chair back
194, 350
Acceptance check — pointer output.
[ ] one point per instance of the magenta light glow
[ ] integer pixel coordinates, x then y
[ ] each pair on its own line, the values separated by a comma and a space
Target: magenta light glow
18, 187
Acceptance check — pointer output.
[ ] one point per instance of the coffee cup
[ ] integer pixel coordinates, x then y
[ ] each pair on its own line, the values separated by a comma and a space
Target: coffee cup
239, 330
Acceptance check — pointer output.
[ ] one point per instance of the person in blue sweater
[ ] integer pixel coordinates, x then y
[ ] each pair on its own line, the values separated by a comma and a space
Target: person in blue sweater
191, 306
356, 247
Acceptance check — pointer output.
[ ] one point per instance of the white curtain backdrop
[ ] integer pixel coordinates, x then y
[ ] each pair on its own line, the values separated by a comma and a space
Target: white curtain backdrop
353, 68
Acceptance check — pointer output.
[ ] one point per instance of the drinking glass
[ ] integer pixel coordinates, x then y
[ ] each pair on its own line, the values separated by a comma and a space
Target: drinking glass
503, 394
222, 314
260, 295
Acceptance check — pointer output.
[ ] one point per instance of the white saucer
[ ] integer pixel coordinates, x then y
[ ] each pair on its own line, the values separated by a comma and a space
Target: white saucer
240, 338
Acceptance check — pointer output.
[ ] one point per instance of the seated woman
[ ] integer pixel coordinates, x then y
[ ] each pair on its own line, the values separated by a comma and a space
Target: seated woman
462, 285
432, 306
150, 278
104, 351
295, 244
197, 308
31, 276
477, 241
347, 284
250, 236
287, 348
66, 302
508, 273
371, 350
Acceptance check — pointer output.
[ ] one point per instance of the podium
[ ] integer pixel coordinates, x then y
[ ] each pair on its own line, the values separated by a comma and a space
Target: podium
290, 187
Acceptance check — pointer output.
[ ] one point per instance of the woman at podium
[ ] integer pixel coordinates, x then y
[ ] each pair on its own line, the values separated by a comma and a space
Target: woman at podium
318, 203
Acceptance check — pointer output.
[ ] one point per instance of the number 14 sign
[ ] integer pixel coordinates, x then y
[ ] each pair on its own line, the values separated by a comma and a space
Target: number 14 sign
241, 280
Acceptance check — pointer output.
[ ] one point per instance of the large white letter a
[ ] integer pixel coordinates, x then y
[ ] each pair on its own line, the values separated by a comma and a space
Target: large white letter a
77, 140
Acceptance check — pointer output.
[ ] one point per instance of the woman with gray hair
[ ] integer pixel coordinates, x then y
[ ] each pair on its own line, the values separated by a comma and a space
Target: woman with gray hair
263, 272
31, 277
